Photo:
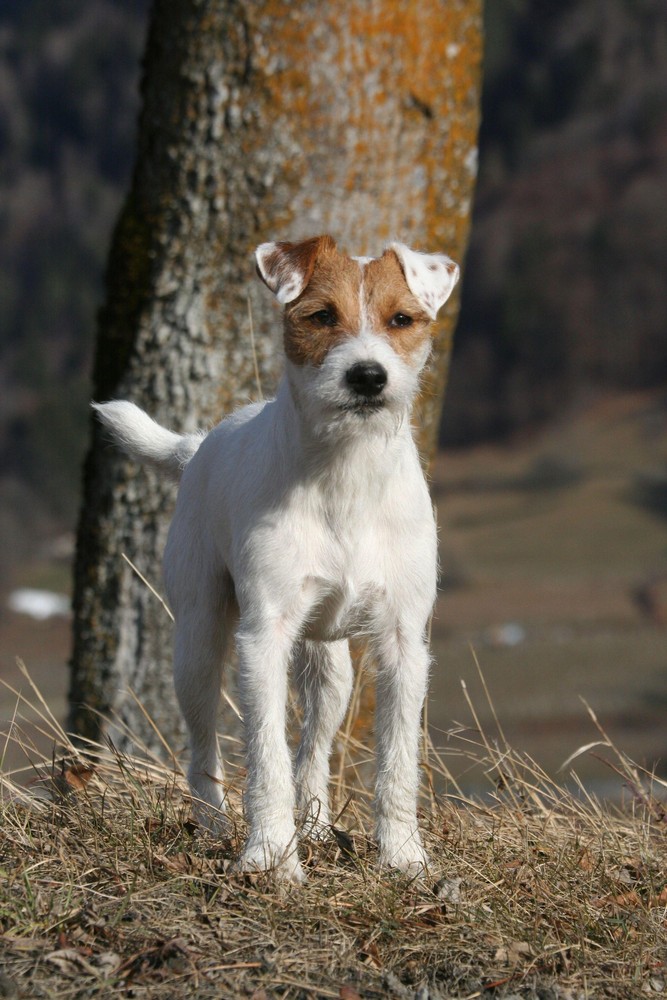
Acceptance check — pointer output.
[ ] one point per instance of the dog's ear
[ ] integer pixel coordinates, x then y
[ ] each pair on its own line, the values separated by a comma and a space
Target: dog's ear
430, 276
286, 268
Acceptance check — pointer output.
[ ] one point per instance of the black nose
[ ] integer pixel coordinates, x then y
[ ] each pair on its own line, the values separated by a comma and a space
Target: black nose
366, 378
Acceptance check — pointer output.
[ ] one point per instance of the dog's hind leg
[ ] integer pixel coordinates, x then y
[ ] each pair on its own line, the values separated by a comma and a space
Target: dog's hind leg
323, 674
203, 629
402, 675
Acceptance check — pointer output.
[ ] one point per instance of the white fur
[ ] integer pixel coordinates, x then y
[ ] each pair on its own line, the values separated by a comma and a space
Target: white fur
146, 440
301, 522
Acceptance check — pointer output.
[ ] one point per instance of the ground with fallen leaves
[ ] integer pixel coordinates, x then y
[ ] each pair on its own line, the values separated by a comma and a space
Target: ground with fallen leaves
107, 888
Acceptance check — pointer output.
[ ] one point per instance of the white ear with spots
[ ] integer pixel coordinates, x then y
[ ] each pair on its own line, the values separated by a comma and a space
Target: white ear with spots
286, 268
430, 276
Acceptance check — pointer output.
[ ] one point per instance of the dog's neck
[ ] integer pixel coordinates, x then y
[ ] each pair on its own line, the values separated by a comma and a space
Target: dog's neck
335, 457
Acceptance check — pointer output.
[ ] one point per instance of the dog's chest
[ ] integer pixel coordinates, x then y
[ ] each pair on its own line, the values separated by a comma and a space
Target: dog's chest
359, 572
340, 554
340, 611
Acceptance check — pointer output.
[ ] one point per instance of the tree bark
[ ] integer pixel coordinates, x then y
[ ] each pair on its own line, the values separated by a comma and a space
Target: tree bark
261, 120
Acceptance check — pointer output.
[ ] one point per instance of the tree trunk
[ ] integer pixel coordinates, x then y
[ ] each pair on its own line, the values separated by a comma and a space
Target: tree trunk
261, 120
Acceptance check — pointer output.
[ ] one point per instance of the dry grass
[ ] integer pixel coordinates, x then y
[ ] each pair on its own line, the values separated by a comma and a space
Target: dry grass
108, 889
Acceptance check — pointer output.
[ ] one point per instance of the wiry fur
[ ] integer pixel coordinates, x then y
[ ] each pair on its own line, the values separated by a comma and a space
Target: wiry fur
301, 522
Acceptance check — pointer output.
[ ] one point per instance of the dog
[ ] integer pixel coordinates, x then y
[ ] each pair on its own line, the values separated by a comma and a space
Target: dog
302, 522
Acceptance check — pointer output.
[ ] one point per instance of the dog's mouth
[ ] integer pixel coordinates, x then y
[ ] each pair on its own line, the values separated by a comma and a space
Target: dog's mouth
363, 406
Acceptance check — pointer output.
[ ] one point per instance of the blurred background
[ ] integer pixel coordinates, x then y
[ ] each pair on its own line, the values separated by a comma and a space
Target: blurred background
551, 482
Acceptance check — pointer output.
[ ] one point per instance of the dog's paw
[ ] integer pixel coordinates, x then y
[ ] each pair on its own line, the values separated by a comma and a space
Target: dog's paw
212, 818
318, 832
208, 802
315, 821
282, 862
405, 852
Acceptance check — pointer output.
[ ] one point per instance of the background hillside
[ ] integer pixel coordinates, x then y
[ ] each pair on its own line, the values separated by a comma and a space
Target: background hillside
69, 75
565, 286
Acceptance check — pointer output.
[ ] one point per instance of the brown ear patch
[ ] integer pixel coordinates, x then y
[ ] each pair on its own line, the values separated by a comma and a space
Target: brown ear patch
387, 297
301, 257
288, 267
327, 310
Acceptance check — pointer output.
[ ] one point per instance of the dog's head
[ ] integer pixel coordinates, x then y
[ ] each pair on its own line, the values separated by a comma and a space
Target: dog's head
356, 330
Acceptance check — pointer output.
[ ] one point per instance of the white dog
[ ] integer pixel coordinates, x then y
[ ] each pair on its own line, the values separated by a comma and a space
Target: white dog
301, 522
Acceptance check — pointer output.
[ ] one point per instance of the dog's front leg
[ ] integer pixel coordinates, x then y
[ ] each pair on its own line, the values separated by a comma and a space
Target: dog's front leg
401, 687
264, 653
323, 673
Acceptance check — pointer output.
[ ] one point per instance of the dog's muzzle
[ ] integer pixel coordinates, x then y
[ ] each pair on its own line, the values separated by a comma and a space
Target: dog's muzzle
366, 379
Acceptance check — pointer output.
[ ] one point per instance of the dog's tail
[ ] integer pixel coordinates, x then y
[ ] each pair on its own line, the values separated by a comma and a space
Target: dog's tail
145, 440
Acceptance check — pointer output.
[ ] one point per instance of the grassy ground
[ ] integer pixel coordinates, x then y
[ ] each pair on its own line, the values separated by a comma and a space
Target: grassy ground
108, 888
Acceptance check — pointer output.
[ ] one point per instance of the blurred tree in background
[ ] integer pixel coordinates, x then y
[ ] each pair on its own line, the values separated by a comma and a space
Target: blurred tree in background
259, 120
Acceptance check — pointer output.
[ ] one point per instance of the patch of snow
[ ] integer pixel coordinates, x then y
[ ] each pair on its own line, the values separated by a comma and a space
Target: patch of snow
509, 634
38, 604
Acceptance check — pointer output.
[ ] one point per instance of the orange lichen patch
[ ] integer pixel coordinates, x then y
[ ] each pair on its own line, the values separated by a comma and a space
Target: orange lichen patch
326, 311
387, 297
378, 107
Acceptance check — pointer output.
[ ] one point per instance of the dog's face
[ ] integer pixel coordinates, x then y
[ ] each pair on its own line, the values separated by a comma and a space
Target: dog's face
356, 330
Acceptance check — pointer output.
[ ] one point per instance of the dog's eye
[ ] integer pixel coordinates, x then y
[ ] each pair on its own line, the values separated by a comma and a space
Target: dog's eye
401, 320
324, 317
